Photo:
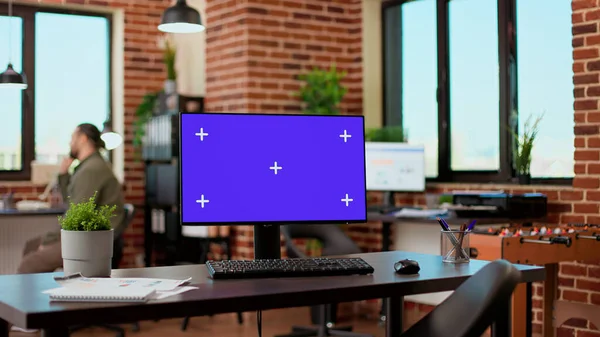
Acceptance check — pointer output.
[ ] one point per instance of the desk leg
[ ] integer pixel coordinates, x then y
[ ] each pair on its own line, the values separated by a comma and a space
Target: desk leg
148, 236
3, 328
502, 327
55, 332
395, 316
550, 292
528, 310
386, 233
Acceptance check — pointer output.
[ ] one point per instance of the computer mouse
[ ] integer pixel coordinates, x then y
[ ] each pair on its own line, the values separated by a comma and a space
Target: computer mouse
407, 267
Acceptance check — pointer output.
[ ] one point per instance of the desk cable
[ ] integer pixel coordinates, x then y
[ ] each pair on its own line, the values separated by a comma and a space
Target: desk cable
259, 322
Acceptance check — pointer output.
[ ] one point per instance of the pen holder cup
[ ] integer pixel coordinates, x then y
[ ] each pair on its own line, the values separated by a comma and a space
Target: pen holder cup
455, 246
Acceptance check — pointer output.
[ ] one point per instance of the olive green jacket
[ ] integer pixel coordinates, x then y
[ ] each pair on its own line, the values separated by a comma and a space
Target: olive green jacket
92, 175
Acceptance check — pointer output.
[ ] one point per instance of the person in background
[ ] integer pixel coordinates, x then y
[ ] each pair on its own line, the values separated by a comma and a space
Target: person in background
92, 175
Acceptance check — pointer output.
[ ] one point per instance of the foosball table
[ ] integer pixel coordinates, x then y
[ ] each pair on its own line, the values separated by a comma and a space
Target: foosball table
547, 246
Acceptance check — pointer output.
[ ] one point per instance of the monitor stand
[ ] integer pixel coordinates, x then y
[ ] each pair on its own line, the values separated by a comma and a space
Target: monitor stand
389, 199
267, 242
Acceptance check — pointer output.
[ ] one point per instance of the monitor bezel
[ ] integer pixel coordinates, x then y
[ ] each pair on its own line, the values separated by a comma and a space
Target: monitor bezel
282, 222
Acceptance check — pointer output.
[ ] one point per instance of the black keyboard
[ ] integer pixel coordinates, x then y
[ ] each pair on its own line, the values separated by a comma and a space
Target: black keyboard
233, 269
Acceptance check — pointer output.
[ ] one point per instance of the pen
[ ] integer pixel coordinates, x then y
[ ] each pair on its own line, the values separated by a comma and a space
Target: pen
452, 238
460, 240
446, 224
443, 224
471, 225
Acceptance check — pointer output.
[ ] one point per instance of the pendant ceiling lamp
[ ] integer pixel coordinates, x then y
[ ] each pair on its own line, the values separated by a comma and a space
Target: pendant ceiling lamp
181, 18
10, 78
111, 139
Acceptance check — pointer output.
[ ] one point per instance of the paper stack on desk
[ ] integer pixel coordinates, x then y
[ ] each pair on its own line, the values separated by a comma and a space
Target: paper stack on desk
76, 288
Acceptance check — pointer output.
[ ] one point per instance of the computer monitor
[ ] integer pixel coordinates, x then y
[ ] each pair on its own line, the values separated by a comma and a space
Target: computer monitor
395, 167
266, 170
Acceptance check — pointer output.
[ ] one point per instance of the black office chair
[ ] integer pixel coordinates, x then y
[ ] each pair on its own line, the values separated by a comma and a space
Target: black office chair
116, 260
473, 306
334, 242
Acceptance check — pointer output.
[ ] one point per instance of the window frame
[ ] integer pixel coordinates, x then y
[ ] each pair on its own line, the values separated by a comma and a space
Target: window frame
27, 14
507, 103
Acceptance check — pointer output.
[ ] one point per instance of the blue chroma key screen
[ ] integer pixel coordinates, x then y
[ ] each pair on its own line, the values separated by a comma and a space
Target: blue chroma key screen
261, 168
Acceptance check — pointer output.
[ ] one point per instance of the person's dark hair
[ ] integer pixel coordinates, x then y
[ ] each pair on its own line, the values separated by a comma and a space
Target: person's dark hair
93, 134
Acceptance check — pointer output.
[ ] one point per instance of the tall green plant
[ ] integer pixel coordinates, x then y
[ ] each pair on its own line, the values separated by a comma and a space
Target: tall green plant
169, 52
87, 216
322, 91
525, 143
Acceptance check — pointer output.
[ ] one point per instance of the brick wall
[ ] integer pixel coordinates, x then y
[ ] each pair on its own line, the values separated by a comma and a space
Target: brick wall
255, 50
143, 73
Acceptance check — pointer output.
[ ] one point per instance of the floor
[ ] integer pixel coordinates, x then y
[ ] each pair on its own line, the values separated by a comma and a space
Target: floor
273, 322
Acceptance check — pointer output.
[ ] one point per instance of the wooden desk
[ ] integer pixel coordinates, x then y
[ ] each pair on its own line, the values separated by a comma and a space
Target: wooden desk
19, 226
23, 304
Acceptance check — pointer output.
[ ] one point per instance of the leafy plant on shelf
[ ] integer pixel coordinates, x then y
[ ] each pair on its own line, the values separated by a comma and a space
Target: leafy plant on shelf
169, 52
143, 113
525, 143
322, 91
87, 216
386, 134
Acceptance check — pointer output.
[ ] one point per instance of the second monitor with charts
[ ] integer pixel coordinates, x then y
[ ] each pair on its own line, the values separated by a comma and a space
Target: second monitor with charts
395, 167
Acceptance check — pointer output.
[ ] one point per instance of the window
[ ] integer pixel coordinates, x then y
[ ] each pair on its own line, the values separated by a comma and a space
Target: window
416, 47
12, 105
474, 85
69, 84
545, 84
458, 73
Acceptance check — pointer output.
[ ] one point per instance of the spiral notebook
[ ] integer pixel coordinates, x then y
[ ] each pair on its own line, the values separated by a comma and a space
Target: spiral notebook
125, 294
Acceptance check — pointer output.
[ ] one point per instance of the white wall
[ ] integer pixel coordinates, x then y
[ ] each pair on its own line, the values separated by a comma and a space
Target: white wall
372, 67
191, 57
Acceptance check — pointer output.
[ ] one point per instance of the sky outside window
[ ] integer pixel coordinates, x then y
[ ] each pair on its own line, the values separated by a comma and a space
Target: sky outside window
72, 79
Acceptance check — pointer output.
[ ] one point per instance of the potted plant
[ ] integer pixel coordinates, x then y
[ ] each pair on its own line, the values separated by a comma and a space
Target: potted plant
322, 91
386, 134
524, 148
143, 113
87, 239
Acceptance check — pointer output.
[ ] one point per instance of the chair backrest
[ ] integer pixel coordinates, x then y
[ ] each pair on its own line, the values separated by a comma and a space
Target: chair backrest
473, 307
333, 240
118, 242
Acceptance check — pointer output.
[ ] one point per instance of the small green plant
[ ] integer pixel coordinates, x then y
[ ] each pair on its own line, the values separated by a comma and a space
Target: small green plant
525, 144
322, 91
87, 216
387, 134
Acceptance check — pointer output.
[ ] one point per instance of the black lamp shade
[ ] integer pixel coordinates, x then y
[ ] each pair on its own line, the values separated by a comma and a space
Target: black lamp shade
12, 79
181, 18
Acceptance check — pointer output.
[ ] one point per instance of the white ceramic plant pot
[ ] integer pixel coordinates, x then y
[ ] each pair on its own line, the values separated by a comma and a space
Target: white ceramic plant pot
170, 87
87, 252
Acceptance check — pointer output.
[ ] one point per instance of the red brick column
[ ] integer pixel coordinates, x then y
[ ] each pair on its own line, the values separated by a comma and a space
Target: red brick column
256, 49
